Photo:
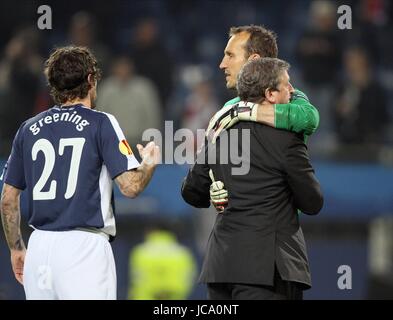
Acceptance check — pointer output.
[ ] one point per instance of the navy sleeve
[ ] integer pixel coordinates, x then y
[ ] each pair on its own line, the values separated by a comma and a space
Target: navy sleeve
14, 172
116, 152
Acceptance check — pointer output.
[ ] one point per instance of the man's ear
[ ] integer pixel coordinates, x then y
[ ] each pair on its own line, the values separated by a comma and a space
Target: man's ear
270, 96
253, 56
91, 80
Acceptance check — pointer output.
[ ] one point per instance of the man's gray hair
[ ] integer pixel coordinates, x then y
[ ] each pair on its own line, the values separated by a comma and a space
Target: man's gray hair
259, 74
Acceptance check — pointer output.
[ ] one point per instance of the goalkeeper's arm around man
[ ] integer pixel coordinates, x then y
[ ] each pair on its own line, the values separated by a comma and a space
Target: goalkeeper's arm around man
298, 116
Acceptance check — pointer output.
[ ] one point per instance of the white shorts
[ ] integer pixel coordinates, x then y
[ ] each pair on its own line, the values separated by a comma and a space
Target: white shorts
69, 265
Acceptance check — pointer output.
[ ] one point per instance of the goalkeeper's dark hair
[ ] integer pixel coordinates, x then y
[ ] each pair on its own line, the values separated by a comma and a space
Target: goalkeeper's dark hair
262, 41
67, 70
260, 74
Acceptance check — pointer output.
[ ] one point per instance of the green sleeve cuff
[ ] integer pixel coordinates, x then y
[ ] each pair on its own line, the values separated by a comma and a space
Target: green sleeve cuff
299, 115
299, 95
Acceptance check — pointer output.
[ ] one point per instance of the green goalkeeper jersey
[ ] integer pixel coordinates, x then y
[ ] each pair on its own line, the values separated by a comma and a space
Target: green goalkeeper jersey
299, 115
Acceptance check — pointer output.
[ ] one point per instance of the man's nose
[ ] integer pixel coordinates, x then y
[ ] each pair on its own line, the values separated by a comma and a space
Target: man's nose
291, 88
223, 64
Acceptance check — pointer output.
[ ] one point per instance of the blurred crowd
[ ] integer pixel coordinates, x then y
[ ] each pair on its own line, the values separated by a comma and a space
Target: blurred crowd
160, 62
160, 59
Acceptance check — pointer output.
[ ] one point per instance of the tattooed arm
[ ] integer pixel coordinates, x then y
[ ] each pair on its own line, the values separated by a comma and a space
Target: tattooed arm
133, 182
10, 217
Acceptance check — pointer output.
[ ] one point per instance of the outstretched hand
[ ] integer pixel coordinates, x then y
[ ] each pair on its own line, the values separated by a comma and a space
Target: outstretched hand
150, 154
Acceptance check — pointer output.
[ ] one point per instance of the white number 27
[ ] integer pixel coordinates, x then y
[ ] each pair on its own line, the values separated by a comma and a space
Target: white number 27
47, 149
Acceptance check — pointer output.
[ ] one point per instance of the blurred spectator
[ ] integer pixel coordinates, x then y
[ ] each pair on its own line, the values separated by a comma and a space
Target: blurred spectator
199, 106
82, 32
152, 59
361, 105
319, 50
319, 54
161, 268
370, 20
132, 99
20, 74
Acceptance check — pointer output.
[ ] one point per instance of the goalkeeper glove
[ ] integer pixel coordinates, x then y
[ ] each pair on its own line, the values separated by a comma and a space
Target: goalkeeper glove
218, 195
229, 115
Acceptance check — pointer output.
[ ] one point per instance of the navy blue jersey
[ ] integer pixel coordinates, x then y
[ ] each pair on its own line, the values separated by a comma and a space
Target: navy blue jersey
66, 158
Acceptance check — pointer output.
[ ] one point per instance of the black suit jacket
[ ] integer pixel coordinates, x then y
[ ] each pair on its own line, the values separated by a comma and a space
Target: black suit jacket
260, 226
